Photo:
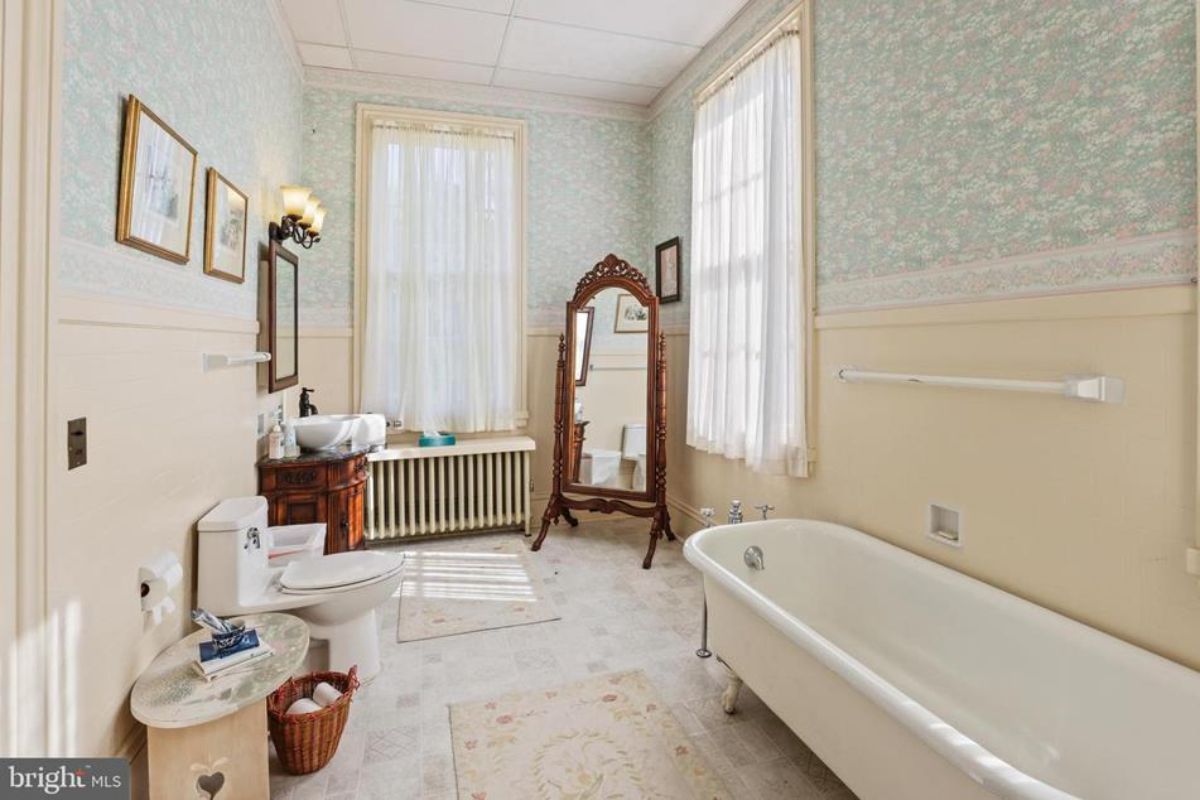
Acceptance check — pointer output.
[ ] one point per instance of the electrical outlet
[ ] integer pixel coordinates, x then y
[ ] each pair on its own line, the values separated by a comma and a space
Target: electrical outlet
76, 442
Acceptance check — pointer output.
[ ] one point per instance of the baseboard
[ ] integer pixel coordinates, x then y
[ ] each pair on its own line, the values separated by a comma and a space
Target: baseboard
133, 744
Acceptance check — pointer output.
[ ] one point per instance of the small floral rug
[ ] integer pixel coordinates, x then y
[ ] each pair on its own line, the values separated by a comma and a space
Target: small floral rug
605, 737
475, 585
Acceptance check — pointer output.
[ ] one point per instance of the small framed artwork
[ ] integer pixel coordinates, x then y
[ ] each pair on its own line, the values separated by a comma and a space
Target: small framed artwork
667, 258
632, 316
158, 178
225, 229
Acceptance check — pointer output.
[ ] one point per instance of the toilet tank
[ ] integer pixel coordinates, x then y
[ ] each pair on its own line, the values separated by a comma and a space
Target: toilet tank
230, 569
633, 440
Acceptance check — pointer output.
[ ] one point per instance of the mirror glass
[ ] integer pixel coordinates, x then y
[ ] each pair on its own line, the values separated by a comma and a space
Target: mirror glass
611, 393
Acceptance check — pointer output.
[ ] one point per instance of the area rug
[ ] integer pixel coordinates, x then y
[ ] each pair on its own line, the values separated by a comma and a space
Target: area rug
476, 585
604, 737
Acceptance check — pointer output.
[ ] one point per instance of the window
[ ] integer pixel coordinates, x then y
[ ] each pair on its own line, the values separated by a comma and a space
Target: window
441, 292
747, 378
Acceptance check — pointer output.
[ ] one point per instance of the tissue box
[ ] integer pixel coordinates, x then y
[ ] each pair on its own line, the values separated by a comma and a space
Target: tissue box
436, 440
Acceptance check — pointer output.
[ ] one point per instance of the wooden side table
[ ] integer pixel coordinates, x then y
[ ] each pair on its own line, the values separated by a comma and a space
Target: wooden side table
206, 738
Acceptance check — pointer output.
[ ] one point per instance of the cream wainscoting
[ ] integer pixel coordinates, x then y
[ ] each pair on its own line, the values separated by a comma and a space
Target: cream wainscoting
1084, 509
166, 440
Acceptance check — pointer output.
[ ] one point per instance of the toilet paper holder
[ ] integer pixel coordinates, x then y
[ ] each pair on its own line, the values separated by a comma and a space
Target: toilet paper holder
156, 580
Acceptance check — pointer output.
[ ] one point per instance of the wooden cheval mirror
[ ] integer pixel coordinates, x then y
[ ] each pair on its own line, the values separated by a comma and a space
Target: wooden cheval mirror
611, 387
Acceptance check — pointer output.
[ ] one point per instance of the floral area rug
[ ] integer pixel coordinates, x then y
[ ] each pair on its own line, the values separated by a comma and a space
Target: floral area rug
605, 737
475, 585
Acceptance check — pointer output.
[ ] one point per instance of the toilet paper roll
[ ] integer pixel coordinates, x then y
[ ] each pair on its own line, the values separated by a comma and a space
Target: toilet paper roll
302, 706
325, 695
155, 582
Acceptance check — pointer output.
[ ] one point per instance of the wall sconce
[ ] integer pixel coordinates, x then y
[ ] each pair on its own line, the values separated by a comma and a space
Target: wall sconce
303, 216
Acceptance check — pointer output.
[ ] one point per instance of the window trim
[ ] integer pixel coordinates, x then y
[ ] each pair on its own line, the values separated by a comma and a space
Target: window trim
366, 116
798, 16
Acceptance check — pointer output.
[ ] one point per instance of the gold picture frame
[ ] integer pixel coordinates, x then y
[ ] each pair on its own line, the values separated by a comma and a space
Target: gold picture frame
226, 213
150, 208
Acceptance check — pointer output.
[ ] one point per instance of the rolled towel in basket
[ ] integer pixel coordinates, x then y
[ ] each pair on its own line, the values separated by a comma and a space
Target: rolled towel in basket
303, 706
325, 695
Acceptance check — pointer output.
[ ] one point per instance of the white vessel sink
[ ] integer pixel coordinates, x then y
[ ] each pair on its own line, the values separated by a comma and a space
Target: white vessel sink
323, 431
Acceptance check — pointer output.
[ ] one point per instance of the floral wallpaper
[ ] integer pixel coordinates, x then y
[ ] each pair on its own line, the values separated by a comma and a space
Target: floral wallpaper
968, 149
217, 72
588, 180
954, 134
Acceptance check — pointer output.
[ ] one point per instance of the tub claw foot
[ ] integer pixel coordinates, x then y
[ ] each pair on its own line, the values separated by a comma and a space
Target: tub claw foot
733, 688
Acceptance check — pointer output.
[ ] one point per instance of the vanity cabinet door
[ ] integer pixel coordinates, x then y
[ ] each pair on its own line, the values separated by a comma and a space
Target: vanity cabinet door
298, 508
345, 520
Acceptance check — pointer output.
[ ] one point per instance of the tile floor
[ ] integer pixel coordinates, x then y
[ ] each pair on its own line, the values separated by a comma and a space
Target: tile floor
615, 616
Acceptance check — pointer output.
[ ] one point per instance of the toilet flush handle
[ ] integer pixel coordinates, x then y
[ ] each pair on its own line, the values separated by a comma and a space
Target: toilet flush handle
253, 540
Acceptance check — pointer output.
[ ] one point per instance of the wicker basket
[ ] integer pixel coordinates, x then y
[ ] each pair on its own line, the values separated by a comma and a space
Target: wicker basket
306, 742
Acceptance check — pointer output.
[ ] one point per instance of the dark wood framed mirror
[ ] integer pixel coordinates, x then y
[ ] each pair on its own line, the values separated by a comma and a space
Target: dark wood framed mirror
610, 423
283, 308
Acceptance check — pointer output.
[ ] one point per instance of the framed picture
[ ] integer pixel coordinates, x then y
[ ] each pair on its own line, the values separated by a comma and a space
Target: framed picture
583, 343
632, 316
225, 229
667, 259
158, 178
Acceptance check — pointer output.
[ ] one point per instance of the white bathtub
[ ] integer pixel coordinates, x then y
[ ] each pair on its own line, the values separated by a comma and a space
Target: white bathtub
914, 681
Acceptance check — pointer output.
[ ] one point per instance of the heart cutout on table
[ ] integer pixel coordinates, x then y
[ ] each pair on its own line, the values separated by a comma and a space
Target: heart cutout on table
211, 783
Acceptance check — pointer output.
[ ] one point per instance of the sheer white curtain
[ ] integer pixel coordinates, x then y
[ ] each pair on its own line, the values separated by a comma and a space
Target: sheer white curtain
746, 379
440, 347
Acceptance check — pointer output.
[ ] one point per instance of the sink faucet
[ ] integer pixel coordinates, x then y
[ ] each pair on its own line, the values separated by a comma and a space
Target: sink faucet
307, 409
735, 513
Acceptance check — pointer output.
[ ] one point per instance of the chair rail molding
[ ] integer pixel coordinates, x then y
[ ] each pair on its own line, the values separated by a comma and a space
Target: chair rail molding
32, 719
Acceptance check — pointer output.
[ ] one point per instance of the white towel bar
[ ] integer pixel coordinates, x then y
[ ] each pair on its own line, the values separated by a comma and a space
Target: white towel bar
1093, 388
221, 360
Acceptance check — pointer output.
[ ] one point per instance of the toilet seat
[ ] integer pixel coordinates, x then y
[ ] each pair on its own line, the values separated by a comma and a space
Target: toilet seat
338, 572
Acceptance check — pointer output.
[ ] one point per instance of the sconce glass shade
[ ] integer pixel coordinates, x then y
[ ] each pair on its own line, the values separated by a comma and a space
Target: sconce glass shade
318, 220
295, 200
310, 208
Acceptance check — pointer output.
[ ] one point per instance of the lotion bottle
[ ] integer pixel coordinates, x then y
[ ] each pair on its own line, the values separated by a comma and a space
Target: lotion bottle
275, 442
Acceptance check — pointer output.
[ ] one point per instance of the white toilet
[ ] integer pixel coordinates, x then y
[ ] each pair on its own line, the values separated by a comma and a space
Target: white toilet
336, 594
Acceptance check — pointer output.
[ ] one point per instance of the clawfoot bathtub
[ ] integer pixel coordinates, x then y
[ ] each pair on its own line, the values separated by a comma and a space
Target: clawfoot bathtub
915, 682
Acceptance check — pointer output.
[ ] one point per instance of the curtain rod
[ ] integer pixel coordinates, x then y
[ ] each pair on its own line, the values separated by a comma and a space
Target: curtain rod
450, 131
741, 64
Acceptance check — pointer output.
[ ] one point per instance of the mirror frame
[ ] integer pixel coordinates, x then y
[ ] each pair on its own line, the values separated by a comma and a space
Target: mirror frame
612, 273
275, 252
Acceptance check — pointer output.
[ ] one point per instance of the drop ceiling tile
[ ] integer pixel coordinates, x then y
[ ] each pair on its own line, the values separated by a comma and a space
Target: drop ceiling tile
578, 87
692, 22
490, 6
413, 67
576, 52
425, 30
323, 55
317, 21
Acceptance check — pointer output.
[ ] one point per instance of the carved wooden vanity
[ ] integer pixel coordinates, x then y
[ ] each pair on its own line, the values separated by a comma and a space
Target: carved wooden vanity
325, 486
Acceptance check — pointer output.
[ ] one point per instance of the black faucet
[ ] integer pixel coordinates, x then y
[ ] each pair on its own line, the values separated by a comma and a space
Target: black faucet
307, 409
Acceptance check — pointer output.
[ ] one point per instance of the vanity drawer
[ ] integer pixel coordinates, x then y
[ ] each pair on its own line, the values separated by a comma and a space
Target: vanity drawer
349, 472
299, 477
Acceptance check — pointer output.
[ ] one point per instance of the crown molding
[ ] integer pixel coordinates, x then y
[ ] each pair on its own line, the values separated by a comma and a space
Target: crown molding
474, 94
285, 37
751, 18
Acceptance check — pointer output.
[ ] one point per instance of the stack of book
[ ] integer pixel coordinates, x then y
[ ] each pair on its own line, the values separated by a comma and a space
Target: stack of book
215, 661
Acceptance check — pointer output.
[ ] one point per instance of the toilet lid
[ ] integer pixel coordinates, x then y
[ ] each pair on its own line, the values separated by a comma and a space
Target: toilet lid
339, 569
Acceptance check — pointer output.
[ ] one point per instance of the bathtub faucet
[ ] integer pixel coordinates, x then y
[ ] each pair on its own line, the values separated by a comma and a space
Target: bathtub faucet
765, 508
753, 557
735, 512
708, 514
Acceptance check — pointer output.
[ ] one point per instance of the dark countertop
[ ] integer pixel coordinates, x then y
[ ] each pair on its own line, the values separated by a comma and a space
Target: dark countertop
316, 456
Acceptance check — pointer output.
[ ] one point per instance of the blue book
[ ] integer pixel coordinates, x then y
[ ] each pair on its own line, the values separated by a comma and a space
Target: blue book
208, 650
